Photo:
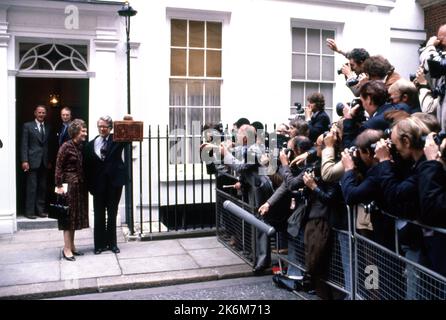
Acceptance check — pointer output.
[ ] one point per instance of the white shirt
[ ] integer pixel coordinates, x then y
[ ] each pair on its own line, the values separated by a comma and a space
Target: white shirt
38, 125
98, 145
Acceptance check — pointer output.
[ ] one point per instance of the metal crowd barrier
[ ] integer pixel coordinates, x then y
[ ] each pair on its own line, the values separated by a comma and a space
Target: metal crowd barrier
234, 232
359, 267
340, 271
398, 276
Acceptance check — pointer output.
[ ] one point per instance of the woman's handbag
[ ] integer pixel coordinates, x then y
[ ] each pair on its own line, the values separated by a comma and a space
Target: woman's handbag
59, 209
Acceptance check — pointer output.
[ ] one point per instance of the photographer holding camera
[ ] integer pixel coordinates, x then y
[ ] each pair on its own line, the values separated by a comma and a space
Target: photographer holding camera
318, 120
401, 193
432, 195
331, 168
373, 95
379, 68
432, 58
353, 70
404, 96
299, 127
432, 184
362, 186
256, 188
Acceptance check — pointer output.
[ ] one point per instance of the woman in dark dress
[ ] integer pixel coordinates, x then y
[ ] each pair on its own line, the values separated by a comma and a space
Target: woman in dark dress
69, 170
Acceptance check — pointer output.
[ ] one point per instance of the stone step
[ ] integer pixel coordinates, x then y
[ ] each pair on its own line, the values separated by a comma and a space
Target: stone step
24, 223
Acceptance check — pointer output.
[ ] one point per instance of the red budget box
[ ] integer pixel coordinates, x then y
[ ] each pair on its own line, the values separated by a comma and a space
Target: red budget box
128, 131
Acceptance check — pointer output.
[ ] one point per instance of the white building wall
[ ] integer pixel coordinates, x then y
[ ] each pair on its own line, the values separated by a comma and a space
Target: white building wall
7, 134
256, 61
407, 33
256, 49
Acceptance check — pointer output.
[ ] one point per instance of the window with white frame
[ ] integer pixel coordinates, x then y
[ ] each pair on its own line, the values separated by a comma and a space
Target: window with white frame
195, 81
313, 66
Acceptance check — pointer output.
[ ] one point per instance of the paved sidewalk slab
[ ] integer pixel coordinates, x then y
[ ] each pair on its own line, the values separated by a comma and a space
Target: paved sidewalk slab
200, 243
157, 264
27, 255
90, 266
31, 264
25, 273
133, 250
215, 257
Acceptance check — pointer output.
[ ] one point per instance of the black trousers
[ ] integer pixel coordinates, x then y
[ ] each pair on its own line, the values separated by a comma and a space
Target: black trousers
105, 205
36, 191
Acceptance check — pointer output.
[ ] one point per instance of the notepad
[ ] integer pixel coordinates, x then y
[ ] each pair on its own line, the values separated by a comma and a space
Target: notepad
64, 186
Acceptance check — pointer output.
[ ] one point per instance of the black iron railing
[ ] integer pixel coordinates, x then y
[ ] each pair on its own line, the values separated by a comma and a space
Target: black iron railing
175, 191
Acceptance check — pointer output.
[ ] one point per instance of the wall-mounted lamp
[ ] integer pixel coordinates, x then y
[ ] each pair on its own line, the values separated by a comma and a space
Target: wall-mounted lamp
54, 100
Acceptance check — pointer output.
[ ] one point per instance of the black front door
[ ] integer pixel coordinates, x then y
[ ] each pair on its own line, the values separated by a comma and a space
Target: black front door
30, 92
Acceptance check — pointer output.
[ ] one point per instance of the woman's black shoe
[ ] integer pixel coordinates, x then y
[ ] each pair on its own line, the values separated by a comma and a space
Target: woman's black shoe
72, 258
78, 253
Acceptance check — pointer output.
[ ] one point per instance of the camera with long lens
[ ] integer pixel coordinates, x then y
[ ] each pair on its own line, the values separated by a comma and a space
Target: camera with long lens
352, 82
438, 138
360, 113
340, 109
288, 152
387, 133
437, 66
340, 70
390, 145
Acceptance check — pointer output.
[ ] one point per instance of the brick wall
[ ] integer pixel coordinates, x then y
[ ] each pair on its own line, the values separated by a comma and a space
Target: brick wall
435, 16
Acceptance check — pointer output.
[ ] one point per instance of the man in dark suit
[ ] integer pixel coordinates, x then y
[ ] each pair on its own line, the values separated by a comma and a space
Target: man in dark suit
106, 175
35, 162
373, 98
62, 135
318, 120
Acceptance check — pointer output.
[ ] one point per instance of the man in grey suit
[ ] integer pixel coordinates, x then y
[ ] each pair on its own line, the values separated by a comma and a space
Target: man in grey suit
35, 162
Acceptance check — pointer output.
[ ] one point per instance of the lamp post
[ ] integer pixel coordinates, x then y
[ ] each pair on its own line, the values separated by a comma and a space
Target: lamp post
127, 12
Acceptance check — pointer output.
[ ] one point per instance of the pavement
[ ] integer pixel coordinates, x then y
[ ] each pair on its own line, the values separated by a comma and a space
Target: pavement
32, 267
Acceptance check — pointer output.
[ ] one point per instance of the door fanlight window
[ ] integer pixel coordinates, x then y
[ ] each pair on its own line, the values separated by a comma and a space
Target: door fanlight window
53, 57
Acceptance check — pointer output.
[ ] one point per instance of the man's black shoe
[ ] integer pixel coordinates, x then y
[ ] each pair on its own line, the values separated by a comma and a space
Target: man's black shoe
98, 251
115, 249
259, 270
31, 216
42, 215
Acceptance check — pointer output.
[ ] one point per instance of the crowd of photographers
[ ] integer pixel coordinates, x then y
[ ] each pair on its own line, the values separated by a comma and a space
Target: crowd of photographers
386, 152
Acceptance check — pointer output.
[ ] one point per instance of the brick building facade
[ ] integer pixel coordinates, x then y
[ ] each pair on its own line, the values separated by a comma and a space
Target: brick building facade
435, 15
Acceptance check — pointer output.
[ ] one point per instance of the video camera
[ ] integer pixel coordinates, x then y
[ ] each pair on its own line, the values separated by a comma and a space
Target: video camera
299, 109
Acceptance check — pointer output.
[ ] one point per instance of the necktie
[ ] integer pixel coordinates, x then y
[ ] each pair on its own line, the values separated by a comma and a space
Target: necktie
103, 149
42, 133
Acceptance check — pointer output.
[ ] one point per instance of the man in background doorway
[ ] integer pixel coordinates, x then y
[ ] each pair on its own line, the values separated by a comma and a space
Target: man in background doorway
35, 162
62, 135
